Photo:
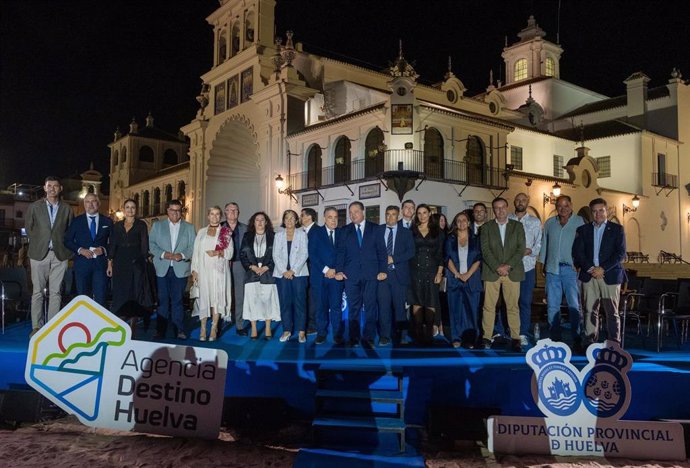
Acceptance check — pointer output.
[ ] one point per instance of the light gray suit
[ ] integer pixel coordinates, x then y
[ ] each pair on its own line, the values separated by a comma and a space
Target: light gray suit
48, 262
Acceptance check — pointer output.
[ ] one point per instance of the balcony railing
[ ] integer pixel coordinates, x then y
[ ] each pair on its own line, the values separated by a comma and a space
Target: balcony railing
435, 168
662, 179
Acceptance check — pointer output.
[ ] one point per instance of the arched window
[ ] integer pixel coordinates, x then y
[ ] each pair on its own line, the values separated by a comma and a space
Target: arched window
314, 167
235, 39
145, 154
145, 208
373, 153
248, 29
156, 201
169, 157
520, 70
136, 199
168, 193
124, 155
181, 190
474, 160
549, 67
343, 160
116, 157
222, 46
433, 153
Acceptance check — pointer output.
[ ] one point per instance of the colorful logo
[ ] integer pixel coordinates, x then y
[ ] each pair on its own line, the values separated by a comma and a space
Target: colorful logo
67, 357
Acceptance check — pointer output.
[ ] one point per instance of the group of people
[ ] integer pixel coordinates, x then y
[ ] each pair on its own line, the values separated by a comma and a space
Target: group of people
396, 277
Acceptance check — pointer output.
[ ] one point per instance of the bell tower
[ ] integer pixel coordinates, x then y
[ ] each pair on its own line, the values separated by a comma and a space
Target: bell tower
532, 56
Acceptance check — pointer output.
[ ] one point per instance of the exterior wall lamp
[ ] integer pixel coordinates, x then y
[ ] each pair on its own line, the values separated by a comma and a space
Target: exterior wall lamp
282, 189
633, 208
551, 197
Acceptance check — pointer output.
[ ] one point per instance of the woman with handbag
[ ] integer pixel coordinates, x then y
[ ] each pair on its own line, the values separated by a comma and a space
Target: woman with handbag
128, 253
213, 249
260, 292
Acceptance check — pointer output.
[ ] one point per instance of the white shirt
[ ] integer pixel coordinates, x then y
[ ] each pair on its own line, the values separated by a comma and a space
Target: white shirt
307, 228
502, 231
462, 256
52, 214
328, 233
407, 223
533, 236
174, 233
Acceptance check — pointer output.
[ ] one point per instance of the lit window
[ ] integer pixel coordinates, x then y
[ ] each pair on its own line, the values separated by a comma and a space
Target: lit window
550, 67
520, 69
604, 164
516, 157
557, 166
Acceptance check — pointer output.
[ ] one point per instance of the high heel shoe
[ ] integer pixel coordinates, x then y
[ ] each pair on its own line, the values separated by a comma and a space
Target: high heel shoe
254, 337
202, 330
214, 328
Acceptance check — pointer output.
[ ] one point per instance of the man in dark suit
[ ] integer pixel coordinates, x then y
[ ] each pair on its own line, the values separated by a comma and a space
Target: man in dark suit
308, 219
232, 214
87, 236
598, 251
392, 291
327, 292
503, 245
46, 223
361, 261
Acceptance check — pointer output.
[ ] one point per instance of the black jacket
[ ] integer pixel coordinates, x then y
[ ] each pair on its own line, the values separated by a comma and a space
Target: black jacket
249, 258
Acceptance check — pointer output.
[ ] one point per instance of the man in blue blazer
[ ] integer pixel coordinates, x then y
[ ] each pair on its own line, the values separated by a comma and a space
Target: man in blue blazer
598, 251
171, 242
327, 292
87, 236
361, 262
392, 291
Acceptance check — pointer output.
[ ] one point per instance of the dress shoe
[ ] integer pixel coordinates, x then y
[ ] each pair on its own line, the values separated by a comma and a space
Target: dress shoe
181, 336
456, 344
384, 341
338, 340
254, 337
285, 336
499, 339
524, 341
268, 337
515, 346
486, 344
311, 331
320, 339
241, 332
368, 344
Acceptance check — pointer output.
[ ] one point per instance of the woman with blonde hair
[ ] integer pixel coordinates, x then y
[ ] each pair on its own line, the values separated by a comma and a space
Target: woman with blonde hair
213, 249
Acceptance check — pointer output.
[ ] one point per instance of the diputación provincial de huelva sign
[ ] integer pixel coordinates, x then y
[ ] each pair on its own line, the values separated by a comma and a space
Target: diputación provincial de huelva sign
85, 361
582, 410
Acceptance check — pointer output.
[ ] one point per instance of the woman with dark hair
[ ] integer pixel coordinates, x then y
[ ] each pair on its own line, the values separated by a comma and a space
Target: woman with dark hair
290, 252
442, 316
426, 272
128, 254
260, 293
463, 261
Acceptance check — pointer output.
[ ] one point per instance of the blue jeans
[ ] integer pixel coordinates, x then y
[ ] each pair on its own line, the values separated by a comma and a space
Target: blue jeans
170, 291
293, 303
556, 286
525, 301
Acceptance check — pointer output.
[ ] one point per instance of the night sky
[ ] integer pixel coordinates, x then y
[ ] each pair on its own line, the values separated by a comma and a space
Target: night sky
72, 71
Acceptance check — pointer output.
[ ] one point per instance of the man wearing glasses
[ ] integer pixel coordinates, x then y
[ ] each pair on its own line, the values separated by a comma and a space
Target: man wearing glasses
171, 242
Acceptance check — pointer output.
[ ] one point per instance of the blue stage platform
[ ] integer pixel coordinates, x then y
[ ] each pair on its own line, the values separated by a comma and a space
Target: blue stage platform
436, 376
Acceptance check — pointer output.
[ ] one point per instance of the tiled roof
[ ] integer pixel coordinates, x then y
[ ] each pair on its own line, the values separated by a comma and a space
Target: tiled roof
612, 103
598, 130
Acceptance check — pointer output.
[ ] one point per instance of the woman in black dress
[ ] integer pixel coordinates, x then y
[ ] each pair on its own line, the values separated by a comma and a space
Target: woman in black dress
127, 266
426, 271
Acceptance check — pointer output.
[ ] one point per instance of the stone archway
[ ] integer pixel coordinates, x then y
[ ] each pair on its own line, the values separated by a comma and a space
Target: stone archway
233, 171
633, 235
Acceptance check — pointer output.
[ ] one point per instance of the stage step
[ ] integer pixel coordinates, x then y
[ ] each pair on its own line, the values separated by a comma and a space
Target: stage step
319, 458
351, 397
387, 396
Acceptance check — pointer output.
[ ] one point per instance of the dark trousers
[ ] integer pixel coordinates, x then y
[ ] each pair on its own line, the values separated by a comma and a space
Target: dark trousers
391, 302
170, 292
360, 294
237, 271
525, 301
91, 280
312, 304
463, 305
292, 295
328, 296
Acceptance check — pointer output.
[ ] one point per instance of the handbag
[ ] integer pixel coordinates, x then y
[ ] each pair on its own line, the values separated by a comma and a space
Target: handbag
194, 291
443, 285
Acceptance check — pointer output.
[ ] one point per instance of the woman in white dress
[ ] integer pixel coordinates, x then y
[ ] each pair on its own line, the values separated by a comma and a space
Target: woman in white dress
212, 250
290, 256
260, 292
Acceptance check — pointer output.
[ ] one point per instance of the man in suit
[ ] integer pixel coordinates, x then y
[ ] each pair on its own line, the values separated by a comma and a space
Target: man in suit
361, 262
479, 217
46, 223
308, 219
172, 243
503, 245
598, 251
327, 292
407, 210
232, 214
392, 291
87, 236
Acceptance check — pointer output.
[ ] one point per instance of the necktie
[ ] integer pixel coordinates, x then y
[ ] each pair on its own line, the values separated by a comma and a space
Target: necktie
389, 242
330, 234
359, 234
92, 227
